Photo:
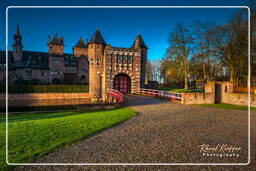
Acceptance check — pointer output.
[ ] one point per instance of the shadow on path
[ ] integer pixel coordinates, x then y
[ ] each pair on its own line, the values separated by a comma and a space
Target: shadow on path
139, 100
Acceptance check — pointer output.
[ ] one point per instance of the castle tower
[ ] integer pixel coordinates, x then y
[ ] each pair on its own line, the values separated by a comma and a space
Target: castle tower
140, 45
17, 45
96, 48
80, 49
56, 45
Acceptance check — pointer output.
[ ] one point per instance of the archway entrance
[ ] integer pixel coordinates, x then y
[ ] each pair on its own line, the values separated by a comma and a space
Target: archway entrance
122, 83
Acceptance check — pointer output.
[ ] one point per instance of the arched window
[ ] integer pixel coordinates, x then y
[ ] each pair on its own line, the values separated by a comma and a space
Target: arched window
123, 59
118, 58
128, 59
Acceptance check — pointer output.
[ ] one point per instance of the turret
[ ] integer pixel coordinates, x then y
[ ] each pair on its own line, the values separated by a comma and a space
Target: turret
17, 46
56, 45
80, 49
140, 45
96, 48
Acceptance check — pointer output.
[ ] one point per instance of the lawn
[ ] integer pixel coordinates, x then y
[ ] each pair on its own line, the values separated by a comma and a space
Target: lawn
229, 106
31, 136
177, 90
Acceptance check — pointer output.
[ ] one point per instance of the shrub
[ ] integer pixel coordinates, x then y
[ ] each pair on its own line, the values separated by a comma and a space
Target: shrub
45, 89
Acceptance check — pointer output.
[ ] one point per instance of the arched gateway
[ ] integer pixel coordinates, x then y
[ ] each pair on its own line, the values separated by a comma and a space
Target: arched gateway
122, 83
117, 68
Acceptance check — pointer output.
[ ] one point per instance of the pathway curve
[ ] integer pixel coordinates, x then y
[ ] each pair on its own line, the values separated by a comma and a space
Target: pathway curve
162, 132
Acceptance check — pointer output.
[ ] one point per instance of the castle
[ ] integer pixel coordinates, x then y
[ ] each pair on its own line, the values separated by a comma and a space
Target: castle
100, 64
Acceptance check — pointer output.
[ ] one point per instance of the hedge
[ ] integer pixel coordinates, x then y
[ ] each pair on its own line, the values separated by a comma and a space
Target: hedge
46, 89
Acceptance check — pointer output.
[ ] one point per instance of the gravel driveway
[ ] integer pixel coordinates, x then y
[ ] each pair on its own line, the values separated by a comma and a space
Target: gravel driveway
162, 132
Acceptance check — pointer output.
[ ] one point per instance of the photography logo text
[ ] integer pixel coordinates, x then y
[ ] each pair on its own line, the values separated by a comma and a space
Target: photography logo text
219, 150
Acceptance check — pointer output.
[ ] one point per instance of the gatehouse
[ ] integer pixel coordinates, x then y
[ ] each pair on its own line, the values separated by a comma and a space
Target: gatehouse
122, 69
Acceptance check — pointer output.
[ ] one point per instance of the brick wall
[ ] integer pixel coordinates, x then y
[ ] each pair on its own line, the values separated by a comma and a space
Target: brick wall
227, 95
239, 99
38, 96
44, 99
197, 98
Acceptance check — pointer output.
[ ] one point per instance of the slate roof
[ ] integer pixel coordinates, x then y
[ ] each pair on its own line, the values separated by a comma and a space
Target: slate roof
3, 57
97, 38
81, 44
55, 40
31, 59
141, 42
37, 60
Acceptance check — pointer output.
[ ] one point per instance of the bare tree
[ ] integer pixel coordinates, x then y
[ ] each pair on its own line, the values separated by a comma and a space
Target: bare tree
181, 41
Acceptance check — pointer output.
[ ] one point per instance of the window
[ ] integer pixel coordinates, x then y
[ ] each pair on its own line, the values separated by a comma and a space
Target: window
84, 70
56, 61
123, 59
43, 73
28, 73
98, 62
118, 59
128, 59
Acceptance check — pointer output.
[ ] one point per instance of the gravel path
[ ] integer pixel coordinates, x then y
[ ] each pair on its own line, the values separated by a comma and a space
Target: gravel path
162, 132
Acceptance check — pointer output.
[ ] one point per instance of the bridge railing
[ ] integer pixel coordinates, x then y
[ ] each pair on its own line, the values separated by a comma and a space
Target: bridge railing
161, 93
115, 95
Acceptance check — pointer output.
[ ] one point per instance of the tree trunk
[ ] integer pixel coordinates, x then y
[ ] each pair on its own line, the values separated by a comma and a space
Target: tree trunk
185, 72
208, 62
203, 58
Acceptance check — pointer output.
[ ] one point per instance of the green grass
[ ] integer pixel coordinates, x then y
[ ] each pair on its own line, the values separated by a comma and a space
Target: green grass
228, 106
177, 90
34, 135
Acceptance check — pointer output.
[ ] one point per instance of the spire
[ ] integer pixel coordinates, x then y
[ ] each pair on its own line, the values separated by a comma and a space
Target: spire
17, 31
97, 38
17, 38
140, 41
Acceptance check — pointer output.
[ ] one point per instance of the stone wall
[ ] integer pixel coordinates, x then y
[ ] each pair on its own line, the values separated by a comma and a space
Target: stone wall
39, 96
44, 99
239, 99
227, 95
197, 98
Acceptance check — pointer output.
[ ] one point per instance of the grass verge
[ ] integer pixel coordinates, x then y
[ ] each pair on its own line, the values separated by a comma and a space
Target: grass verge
228, 106
31, 136
178, 90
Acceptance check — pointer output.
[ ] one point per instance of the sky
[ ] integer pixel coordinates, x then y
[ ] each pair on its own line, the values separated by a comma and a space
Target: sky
119, 26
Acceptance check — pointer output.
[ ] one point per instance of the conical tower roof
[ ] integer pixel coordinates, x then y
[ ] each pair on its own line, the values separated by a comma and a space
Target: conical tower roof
141, 42
81, 43
97, 38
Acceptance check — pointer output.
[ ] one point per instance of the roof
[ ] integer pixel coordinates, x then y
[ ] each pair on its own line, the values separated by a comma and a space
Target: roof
3, 57
81, 44
141, 42
97, 38
31, 59
38, 60
55, 40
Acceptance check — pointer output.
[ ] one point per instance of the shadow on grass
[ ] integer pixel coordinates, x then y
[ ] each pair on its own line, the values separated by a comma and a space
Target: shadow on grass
51, 115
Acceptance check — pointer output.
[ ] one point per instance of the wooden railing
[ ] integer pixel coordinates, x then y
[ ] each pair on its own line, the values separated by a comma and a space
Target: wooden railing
160, 93
116, 95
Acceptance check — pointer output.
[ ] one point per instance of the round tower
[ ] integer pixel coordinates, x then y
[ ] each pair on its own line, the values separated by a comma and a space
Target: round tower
96, 48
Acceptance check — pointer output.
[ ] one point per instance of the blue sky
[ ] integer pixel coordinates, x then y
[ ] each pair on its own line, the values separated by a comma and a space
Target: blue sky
119, 27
